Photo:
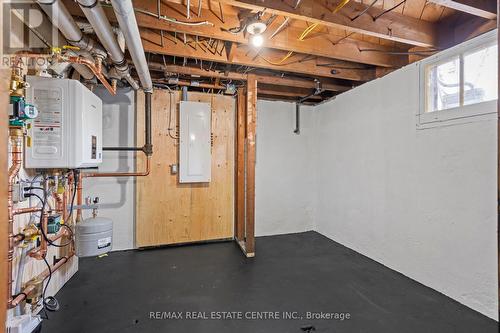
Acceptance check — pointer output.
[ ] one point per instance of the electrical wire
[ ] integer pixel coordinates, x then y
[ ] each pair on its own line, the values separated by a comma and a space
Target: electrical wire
388, 10
303, 35
166, 18
169, 129
49, 303
44, 235
364, 11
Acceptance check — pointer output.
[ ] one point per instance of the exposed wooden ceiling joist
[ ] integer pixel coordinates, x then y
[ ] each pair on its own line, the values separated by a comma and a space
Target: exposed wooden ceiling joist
152, 42
324, 45
483, 8
391, 26
261, 90
264, 79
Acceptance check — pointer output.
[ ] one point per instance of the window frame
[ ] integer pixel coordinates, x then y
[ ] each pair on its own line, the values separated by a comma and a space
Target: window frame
463, 111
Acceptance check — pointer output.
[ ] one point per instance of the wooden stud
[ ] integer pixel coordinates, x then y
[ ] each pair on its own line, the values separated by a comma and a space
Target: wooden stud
239, 229
4, 103
251, 127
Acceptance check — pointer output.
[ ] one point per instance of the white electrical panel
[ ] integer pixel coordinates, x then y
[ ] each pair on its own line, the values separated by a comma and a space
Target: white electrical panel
68, 130
195, 142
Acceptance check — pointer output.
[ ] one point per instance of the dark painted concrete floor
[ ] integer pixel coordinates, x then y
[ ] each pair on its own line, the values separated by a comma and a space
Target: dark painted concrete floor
295, 273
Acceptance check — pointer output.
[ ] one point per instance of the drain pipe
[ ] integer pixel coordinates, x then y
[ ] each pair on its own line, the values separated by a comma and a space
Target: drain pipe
318, 90
297, 118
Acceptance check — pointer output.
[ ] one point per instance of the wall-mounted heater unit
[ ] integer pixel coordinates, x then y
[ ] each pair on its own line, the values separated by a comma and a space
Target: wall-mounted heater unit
195, 142
68, 130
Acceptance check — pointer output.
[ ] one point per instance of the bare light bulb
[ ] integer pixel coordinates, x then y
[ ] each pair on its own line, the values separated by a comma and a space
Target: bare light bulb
257, 40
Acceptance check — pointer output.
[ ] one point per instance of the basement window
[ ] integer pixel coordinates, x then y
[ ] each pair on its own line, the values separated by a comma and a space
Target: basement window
460, 82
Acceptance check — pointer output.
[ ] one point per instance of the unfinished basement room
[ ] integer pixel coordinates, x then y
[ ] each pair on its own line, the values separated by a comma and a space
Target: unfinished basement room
249, 166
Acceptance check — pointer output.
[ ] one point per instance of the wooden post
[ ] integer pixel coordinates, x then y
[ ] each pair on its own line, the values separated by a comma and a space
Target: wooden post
4, 101
250, 165
239, 209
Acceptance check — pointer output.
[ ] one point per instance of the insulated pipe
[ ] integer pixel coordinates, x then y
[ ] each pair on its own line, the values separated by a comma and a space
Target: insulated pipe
62, 19
95, 14
99, 21
20, 275
124, 11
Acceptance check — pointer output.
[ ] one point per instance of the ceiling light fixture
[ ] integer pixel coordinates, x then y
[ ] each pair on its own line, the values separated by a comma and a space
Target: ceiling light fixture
257, 40
255, 28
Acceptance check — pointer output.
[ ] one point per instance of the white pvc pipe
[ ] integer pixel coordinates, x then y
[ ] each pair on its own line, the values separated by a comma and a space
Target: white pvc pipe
125, 15
62, 19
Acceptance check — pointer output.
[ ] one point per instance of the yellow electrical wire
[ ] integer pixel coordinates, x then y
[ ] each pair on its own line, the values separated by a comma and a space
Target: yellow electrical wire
303, 35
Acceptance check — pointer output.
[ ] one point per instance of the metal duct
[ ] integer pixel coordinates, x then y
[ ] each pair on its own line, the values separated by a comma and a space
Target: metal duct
62, 19
97, 18
124, 12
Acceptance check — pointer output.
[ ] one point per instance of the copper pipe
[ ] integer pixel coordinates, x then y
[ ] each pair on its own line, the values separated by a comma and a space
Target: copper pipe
68, 195
17, 239
95, 67
61, 233
64, 208
79, 197
59, 202
26, 291
16, 136
42, 250
19, 211
121, 174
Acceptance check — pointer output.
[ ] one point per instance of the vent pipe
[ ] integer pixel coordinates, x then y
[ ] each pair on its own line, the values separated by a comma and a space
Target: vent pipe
124, 11
62, 19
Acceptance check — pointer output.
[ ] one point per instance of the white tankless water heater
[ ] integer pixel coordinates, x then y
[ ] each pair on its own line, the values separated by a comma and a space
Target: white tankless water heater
68, 130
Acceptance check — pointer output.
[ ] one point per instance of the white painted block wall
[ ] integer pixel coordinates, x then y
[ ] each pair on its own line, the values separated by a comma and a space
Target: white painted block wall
117, 198
422, 202
284, 172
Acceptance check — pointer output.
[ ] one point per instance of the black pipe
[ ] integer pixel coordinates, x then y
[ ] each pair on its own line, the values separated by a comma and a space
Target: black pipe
297, 119
123, 148
148, 146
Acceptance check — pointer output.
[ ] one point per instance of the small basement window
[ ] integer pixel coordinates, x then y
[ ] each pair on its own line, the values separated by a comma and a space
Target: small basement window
458, 82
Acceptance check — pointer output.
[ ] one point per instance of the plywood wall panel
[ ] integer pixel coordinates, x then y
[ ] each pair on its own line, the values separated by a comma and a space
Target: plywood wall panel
168, 212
